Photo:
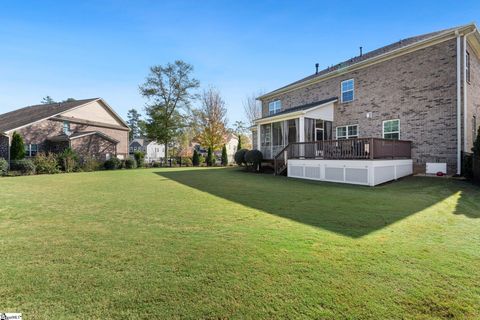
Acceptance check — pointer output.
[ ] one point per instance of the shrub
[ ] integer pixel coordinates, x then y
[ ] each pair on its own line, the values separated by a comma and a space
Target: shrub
68, 160
112, 164
3, 167
187, 162
224, 156
240, 156
209, 159
24, 166
90, 164
46, 163
476, 145
157, 164
253, 159
140, 158
130, 164
201, 159
17, 149
195, 158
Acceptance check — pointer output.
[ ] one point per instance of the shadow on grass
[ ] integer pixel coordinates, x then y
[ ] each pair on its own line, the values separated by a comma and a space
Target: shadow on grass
354, 211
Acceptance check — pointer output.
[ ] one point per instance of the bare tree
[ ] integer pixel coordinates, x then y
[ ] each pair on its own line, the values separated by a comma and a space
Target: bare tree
252, 107
211, 120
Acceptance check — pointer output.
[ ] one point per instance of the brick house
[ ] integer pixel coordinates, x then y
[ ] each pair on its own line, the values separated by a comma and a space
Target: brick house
421, 93
90, 127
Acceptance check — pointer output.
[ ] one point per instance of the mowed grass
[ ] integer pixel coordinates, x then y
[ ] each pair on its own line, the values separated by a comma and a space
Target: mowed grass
222, 243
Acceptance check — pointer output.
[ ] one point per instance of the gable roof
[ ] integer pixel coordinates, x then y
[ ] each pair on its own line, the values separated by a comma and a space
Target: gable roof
28, 115
302, 107
372, 55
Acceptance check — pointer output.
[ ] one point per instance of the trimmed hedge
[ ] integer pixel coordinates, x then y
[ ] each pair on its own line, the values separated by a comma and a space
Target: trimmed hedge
240, 156
253, 159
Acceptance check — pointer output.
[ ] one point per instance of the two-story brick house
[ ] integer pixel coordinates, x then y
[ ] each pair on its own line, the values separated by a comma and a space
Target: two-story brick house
424, 89
89, 126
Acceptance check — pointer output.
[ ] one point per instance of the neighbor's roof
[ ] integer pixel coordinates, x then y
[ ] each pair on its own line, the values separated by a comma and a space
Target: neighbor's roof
21, 117
80, 134
25, 116
369, 55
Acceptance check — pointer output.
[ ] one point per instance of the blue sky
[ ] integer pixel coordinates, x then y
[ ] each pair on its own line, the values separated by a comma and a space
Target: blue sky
86, 49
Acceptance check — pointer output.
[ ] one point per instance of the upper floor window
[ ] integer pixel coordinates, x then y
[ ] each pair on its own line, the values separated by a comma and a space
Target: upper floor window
31, 150
391, 129
348, 90
66, 127
347, 132
467, 66
274, 107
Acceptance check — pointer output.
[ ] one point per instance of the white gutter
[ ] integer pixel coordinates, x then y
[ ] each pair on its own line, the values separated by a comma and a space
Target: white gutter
459, 108
465, 86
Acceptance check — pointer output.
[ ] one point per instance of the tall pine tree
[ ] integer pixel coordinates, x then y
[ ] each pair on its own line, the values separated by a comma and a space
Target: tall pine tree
224, 156
17, 150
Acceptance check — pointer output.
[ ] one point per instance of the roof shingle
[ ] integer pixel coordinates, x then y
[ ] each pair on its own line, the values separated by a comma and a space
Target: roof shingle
24, 116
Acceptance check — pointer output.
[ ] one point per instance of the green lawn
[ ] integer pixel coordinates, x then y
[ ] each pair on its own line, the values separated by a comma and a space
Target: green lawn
222, 243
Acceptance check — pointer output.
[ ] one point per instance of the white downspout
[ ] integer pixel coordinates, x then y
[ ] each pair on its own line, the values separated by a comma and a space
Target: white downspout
459, 108
465, 108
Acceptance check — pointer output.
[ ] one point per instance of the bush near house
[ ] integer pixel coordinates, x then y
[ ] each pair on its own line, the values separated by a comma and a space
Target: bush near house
253, 160
187, 162
112, 164
46, 163
17, 149
140, 158
24, 166
130, 164
90, 164
3, 167
240, 157
68, 160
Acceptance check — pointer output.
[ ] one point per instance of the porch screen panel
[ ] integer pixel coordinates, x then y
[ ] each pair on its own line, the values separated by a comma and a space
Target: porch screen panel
277, 137
327, 130
266, 140
309, 130
255, 140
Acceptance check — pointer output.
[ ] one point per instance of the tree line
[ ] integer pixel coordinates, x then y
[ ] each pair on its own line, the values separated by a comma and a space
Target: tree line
170, 119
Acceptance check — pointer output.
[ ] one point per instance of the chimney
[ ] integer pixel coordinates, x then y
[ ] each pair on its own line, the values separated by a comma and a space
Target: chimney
316, 68
361, 51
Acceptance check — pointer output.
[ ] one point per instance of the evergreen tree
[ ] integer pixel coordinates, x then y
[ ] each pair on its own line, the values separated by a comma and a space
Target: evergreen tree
224, 156
209, 157
195, 158
239, 146
17, 150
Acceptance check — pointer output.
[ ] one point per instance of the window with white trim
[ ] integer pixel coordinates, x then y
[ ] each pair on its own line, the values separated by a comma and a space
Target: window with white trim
274, 107
348, 90
391, 129
347, 132
467, 66
31, 150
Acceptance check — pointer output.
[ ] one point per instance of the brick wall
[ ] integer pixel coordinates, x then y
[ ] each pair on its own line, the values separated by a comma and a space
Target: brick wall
418, 88
473, 98
37, 133
4, 147
94, 146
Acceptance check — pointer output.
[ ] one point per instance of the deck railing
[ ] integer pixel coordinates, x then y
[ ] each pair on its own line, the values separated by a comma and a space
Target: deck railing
346, 149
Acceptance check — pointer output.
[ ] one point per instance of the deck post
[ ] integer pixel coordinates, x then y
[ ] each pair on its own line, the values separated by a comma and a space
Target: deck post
301, 137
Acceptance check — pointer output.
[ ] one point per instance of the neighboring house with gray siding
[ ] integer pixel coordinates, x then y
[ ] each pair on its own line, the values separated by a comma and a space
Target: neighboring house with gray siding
422, 91
90, 127
154, 151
